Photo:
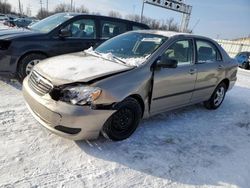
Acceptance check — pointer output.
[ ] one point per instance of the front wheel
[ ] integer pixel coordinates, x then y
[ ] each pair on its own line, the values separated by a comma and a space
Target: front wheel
124, 121
217, 98
27, 63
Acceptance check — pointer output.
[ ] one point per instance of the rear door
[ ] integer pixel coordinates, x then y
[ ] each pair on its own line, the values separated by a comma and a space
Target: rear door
83, 35
173, 87
210, 69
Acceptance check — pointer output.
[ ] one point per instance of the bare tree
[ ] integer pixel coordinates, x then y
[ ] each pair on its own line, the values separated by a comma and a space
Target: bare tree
42, 13
133, 17
115, 14
82, 9
5, 7
168, 24
62, 8
96, 13
28, 10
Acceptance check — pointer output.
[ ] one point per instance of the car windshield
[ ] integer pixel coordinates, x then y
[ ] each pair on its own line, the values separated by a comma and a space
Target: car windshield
48, 24
131, 48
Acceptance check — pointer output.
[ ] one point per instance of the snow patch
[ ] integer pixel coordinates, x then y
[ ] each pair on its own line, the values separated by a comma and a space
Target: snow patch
178, 149
134, 62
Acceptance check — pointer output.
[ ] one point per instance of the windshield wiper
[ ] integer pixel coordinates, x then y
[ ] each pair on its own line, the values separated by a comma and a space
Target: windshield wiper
114, 57
117, 58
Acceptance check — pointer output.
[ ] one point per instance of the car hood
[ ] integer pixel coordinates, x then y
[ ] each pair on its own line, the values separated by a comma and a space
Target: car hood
77, 67
14, 33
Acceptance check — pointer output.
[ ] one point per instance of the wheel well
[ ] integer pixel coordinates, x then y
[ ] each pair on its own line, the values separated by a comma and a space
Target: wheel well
140, 101
28, 53
227, 82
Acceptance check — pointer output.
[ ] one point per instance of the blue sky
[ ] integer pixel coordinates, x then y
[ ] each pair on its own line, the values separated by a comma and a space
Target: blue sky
225, 19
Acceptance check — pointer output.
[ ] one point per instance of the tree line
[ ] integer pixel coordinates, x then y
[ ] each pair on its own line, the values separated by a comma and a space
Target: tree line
167, 24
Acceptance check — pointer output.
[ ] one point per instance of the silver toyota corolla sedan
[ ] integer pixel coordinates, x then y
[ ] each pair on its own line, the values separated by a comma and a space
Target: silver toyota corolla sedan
138, 74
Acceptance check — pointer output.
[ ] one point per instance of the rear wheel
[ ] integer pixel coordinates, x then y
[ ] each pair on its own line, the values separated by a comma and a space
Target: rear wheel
245, 65
27, 63
217, 98
124, 122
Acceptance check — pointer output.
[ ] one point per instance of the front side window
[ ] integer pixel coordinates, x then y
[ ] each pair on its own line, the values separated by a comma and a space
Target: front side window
84, 29
207, 52
181, 51
112, 29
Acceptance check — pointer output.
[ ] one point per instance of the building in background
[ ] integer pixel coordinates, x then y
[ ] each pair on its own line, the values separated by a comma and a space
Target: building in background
233, 47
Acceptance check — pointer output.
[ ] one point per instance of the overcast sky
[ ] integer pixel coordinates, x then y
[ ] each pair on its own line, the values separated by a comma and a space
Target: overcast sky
216, 18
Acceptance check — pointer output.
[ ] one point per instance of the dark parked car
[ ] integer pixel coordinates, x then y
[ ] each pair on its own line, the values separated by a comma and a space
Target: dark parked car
243, 59
19, 22
3, 17
59, 34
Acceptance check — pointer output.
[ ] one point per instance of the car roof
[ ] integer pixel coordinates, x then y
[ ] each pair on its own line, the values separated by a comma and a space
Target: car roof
74, 14
171, 34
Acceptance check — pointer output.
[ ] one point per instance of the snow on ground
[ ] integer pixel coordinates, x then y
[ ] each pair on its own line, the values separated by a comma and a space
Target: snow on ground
189, 147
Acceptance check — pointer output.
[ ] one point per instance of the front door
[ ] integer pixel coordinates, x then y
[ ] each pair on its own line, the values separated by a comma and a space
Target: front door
173, 87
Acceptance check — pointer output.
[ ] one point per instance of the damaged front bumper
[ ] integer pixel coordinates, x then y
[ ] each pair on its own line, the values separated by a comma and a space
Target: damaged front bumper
66, 120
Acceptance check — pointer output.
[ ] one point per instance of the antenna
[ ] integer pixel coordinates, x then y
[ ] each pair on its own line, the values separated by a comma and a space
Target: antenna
197, 22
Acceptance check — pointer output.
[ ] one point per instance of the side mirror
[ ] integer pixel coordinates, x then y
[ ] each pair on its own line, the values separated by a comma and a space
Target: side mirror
63, 33
166, 63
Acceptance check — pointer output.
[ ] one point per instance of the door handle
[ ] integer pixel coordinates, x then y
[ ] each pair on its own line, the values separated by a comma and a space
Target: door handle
192, 71
220, 67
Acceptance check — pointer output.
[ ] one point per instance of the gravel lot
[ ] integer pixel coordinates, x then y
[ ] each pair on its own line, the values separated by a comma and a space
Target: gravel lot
190, 147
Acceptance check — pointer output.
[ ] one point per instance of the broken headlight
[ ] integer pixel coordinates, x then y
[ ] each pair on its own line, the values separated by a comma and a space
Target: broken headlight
80, 95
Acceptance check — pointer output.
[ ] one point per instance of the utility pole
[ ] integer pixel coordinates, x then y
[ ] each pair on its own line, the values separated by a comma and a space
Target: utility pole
20, 7
47, 5
41, 3
71, 5
142, 10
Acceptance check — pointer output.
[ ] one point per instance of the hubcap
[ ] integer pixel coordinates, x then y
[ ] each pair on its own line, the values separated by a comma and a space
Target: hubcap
219, 96
123, 120
30, 66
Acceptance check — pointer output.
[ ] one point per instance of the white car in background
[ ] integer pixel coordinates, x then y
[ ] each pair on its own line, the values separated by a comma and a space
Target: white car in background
3, 17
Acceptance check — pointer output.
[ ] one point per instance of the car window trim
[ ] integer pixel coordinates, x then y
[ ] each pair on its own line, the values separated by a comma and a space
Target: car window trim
112, 21
214, 47
55, 31
193, 53
79, 38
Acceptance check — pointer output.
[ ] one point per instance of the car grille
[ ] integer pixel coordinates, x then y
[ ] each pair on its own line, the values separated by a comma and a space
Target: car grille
38, 84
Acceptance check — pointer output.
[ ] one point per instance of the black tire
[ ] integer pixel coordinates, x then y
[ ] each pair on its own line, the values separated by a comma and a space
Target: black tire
211, 104
124, 121
23, 63
245, 65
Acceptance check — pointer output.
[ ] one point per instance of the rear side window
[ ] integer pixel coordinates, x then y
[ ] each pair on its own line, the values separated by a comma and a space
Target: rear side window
111, 29
207, 52
134, 28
